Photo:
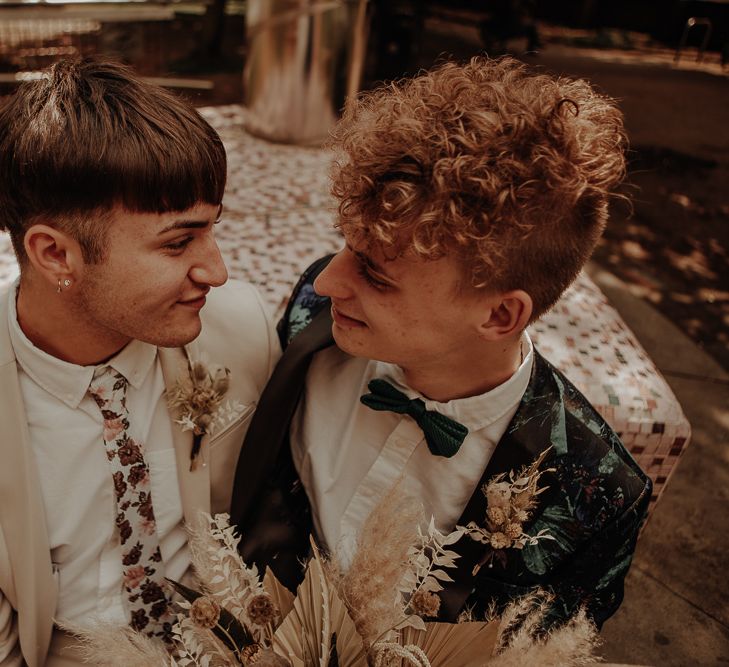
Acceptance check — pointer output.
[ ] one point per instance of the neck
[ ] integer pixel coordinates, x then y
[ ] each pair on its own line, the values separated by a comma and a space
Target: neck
470, 375
55, 323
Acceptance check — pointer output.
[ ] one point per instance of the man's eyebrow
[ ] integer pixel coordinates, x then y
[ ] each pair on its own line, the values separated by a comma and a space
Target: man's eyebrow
369, 262
184, 224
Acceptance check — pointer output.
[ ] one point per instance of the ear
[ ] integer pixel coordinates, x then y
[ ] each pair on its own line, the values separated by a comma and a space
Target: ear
508, 315
53, 254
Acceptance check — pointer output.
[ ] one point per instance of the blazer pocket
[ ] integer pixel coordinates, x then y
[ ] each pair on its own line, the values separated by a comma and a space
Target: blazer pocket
242, 419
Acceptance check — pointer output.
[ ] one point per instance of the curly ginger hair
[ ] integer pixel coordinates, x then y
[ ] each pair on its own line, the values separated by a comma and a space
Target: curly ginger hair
508, 169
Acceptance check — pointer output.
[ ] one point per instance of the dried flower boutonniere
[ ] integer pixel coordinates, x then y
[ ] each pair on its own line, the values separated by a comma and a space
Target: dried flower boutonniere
199, 397
510, 502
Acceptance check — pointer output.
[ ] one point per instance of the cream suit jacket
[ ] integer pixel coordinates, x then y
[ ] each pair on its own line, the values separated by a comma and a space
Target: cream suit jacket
236, 333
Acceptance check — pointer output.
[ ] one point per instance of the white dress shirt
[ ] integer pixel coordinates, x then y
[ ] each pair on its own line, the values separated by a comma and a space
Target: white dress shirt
66, 436
348, 455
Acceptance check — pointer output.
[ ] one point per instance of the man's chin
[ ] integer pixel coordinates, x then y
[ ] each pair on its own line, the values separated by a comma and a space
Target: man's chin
177, 337
346, 342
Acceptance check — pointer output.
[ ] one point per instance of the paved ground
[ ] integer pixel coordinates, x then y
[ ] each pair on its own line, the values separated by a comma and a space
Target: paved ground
676, 611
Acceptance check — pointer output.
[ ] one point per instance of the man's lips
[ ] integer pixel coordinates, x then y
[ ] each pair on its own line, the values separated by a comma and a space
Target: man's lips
345, 320
195, 301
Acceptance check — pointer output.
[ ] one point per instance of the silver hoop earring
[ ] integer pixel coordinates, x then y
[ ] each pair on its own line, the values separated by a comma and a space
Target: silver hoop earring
67, 283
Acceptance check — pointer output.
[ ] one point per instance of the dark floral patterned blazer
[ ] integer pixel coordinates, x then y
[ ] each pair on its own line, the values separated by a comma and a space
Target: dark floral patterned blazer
594, 504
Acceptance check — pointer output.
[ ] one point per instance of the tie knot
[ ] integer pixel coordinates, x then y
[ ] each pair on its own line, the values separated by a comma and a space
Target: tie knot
416, 408
107, 385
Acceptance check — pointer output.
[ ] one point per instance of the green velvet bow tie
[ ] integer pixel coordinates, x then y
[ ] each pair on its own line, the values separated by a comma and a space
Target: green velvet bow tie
443, 434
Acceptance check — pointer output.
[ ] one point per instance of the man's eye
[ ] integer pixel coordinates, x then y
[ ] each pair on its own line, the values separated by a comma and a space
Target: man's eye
370, 279
179, 245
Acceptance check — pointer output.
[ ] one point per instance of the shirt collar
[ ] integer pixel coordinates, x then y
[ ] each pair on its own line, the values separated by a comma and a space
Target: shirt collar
66, 381
474, 412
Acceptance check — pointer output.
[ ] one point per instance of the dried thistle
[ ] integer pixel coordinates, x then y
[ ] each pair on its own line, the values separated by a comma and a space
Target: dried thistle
249, 654
205, 612
425, 604
261, 610
513, 530
496, 515
499, 541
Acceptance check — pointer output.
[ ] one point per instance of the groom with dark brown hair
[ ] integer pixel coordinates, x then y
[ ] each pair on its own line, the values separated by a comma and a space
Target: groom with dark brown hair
110, 189
469, 199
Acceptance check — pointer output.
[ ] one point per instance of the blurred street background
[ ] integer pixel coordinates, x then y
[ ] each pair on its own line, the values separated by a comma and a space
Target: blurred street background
670, 248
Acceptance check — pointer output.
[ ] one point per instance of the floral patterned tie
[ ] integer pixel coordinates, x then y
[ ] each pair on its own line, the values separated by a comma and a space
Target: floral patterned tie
143, 570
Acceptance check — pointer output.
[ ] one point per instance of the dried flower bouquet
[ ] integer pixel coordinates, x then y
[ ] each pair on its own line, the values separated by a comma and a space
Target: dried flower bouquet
373, 615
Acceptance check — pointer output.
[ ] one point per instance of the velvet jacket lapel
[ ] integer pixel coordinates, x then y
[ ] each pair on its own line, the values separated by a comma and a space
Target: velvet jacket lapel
269, 428
537, 423
30, 586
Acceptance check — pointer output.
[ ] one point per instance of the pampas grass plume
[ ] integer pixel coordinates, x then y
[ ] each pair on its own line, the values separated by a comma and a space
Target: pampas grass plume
370, 587
570, 645
118, 646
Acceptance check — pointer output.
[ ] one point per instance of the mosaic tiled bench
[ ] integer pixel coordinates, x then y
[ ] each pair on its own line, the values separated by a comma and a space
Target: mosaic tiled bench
278, 219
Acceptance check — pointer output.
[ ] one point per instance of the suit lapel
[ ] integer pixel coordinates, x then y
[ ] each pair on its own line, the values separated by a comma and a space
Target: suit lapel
270, 425
194, 484
537, 424
22, 515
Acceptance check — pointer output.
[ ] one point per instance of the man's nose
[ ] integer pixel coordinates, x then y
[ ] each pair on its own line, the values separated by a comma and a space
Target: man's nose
333, 280
210, 269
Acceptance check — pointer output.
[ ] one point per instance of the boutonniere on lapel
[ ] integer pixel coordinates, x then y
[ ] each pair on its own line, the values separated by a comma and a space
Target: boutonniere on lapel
198, 395
510, 499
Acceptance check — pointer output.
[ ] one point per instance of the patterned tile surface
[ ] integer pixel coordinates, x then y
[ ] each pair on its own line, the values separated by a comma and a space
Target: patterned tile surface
278, 219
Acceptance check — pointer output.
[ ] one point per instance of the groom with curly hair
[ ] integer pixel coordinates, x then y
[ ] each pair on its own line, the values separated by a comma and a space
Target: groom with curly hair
469, 198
